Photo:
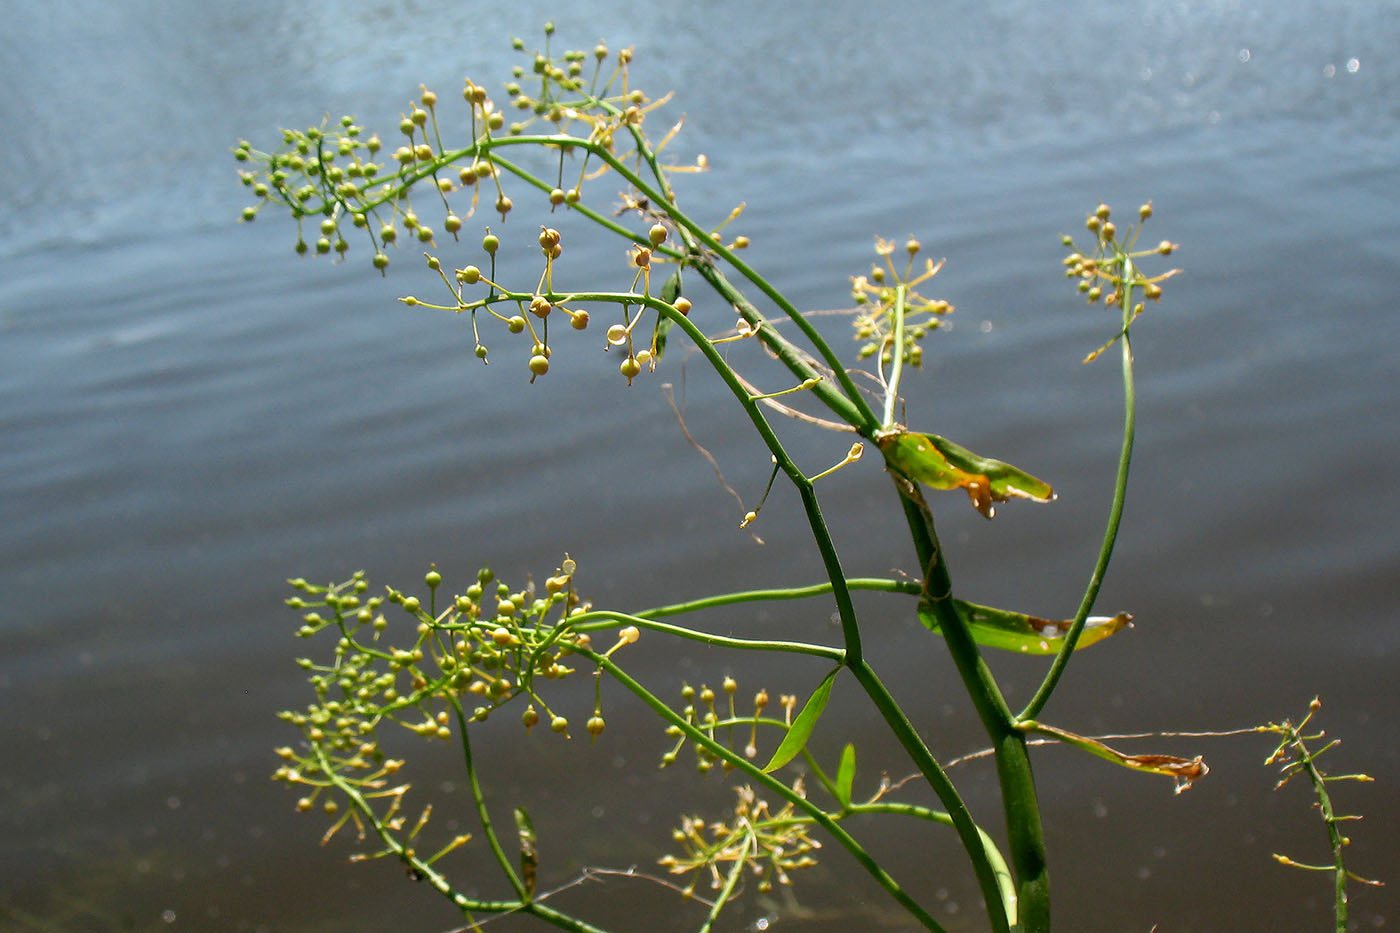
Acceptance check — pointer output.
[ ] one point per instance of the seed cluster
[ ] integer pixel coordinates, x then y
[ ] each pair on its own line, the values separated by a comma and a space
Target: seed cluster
878, 295
339, 179
434, 670
1108, 271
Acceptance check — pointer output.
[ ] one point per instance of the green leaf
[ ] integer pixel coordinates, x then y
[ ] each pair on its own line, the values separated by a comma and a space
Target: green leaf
802, 726
669, 293
1026, 634
672, 289
846, 775
938, 462
529, 855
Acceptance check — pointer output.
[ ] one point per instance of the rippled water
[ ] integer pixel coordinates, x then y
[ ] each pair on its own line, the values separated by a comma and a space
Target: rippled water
190, 415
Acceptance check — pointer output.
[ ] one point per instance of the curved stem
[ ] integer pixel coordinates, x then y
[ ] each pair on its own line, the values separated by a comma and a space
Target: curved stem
604, 619
1110, 535
796, 592
482, 813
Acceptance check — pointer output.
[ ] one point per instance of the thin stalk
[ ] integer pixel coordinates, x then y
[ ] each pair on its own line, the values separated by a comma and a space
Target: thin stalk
483, 814
892, 389
795, 592
852, 412
434, 878
739, 762
1115, 518
731, 881
602, 620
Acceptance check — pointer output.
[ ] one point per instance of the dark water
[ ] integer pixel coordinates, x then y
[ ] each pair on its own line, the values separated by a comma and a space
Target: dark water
190, 415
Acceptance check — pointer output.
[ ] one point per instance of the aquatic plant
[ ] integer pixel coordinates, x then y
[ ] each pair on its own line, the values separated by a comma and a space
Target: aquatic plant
441, 659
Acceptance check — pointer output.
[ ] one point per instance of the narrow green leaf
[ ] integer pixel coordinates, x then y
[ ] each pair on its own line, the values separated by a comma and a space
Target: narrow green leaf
672, 289
941, 464
669, 293
802, 726
529, 855
846, 775
1023, 633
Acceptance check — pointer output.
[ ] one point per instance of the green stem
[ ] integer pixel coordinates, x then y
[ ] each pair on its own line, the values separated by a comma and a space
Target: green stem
892, 390
795, 592
604, 619
432, 876
1025, 834
845, 839
731, 881
854, 412
1110, 535
1001, 913
483, 814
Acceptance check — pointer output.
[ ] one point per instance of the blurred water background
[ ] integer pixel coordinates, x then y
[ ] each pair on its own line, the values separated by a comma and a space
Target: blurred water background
190, 414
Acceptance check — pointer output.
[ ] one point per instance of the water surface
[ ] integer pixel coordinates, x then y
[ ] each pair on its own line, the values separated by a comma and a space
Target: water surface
191, 415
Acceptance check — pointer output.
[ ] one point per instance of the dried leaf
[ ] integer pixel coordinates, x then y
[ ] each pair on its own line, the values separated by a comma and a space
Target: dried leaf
938, 462
529, 853
1183, 771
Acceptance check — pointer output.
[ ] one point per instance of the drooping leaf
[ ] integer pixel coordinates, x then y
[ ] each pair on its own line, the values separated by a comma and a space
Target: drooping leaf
1183, 771
941, 464
846, 775
1023, 633
669, 293
801, 729
529, 854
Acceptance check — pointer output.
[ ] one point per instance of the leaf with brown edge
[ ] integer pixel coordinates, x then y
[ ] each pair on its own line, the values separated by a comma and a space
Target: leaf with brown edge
1183, 771
939, 463
1025, 633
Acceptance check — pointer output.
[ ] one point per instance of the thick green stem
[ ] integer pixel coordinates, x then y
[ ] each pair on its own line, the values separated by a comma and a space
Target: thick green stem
1001, 914
1025, 835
